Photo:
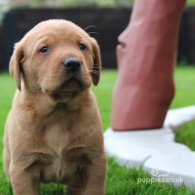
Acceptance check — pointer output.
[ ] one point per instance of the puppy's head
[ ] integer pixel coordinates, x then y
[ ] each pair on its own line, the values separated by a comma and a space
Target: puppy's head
57, 58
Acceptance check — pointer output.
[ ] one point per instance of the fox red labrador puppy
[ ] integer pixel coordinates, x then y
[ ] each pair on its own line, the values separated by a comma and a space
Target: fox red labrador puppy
53, 132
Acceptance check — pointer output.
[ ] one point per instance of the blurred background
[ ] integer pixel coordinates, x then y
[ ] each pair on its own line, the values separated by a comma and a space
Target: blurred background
108, 17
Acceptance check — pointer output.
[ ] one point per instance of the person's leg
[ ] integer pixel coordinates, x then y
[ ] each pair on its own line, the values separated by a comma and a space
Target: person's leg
146, 58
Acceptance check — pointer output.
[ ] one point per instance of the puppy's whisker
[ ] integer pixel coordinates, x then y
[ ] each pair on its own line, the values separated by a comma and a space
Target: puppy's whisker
94, 72
91, 26
89, 33
97, 68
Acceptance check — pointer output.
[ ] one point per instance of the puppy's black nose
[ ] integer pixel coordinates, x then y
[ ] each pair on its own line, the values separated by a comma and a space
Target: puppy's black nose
72, 64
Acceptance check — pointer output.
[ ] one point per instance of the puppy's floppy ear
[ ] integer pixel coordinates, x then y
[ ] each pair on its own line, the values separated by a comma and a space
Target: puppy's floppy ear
97, 64
16, 60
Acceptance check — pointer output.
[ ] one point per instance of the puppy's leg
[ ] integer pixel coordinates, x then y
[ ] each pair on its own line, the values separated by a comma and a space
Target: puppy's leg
90, 181
95, 184
24, 182
6, 154
6, 162
78, 185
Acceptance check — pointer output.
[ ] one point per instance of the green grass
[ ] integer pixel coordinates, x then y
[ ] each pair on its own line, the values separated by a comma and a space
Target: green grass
120, 181
190, 2
100, 3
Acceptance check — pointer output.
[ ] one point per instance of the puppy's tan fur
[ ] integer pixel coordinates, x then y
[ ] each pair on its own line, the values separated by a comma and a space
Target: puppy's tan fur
53, 132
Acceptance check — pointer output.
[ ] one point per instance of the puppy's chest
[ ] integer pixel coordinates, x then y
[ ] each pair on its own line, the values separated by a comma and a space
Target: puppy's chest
58, 132
65, 155
57, 137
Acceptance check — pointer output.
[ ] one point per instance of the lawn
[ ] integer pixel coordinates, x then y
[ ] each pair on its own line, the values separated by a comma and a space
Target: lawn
120, 181
190, 2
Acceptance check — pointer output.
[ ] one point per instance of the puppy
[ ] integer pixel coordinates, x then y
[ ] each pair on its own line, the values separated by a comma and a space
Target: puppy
53, 132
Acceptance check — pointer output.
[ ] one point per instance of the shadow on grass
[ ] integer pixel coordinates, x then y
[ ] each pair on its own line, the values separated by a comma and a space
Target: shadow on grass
52, 189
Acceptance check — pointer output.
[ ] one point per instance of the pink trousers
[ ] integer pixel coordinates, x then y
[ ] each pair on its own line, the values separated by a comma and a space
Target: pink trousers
146, 57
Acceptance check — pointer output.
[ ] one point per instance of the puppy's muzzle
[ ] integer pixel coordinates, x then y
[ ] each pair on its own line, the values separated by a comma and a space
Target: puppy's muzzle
72, 64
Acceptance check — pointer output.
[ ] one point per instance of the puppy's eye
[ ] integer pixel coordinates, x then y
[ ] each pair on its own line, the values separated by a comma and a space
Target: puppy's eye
82, 47
44, 49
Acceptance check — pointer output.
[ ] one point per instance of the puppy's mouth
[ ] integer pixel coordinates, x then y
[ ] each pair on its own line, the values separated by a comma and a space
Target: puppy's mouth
71, 84
69, 88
